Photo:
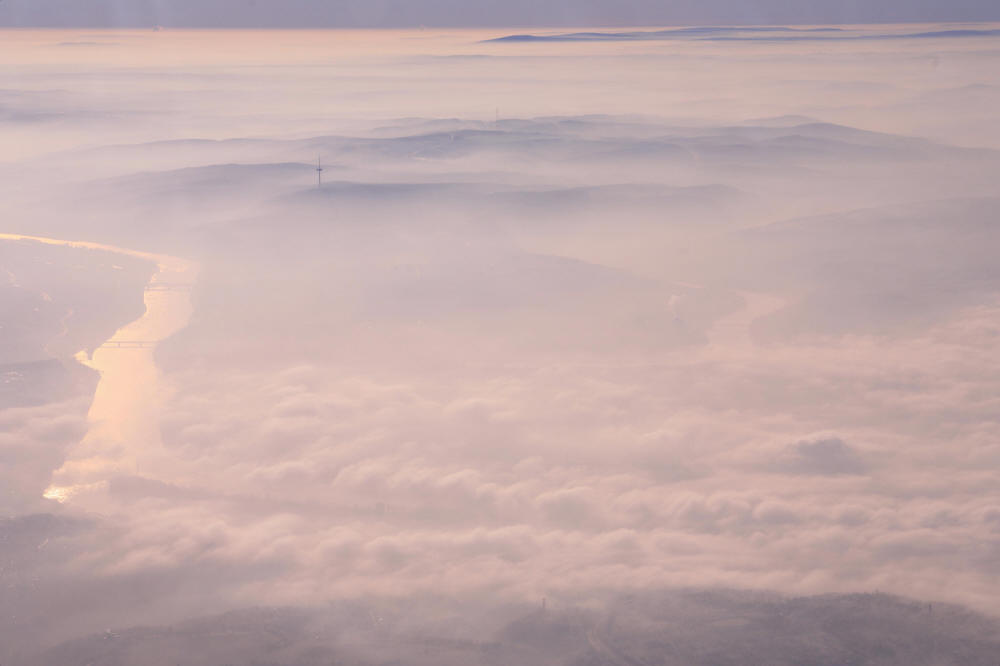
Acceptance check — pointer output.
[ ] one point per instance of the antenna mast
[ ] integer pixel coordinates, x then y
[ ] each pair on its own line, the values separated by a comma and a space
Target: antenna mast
319, 172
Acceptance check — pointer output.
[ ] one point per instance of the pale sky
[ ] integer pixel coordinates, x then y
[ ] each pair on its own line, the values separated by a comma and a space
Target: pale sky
456, 13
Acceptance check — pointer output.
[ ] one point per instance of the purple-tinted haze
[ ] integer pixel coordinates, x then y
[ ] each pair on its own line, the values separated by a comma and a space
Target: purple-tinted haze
455, 13
695, 339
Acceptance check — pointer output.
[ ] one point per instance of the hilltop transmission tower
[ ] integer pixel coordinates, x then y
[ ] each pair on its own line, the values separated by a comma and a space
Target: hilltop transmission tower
319, 172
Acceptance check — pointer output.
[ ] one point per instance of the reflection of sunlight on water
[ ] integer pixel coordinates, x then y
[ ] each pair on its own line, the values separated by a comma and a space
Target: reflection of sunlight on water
124, 414
58, 494
62, 494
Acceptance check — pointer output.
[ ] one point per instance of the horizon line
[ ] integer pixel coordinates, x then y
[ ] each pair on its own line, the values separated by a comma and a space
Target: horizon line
552, 26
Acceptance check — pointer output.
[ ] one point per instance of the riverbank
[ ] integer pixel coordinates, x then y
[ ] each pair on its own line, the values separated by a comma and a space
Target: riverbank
122, 415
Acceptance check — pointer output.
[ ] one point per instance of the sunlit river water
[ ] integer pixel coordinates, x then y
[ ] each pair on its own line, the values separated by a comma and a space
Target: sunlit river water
123, 434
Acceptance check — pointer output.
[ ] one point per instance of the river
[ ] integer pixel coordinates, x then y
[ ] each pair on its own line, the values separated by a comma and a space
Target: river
123, 436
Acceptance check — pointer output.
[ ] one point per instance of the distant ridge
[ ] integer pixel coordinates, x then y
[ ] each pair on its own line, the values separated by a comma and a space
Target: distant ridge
641, 35
775, 33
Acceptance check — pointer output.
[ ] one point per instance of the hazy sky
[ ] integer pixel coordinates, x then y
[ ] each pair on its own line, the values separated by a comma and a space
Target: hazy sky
397, 13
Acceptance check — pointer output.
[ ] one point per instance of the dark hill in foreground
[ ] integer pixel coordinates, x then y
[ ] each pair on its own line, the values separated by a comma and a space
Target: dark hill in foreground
710, 628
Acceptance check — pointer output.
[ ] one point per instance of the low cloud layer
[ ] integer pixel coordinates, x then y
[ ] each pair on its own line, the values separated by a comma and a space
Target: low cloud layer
612, 348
